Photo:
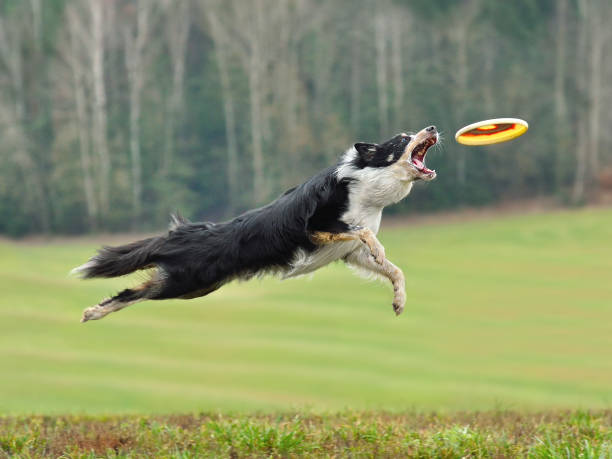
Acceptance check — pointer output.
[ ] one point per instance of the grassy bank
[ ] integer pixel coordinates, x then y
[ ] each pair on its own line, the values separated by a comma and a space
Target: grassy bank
511, 313
490, 434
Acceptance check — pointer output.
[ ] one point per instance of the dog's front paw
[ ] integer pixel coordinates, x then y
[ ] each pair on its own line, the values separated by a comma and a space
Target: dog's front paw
399, 300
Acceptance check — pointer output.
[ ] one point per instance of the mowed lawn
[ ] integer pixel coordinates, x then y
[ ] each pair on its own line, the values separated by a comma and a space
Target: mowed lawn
509, 313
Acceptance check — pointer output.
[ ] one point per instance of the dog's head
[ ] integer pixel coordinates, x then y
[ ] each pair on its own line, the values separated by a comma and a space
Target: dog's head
404, 154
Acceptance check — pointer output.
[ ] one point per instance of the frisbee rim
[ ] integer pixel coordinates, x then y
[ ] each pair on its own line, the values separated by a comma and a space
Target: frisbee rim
488, 141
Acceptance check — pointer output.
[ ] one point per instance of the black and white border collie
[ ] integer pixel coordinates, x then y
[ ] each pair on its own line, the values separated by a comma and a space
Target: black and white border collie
334, 215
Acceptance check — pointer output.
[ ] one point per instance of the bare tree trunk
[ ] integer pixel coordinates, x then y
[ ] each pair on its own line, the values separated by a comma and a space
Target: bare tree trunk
287, 73
114, 57
596, 29
381, 74
36, 21
288, 16
355, 81
134, 49
221, 48
10, 52
399, 22
231, 134
582, 141
581, 162
283, 75
324, 54
291, 106
99, 107
606, 134
489, 63
464, 16
560, 96
462, 87
178, 24
256, 124
255, 73
76, 65
561, 40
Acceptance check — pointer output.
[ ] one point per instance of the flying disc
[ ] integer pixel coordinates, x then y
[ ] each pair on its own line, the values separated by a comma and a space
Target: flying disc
491, 131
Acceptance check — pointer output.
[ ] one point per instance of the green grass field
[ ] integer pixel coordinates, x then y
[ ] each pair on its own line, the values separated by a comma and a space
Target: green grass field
461, 435
511, 313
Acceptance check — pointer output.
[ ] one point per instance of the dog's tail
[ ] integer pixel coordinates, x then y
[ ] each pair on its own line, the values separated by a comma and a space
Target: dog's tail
125, 259
121, 260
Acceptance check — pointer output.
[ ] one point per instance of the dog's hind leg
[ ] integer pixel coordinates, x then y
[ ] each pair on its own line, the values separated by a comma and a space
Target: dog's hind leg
122, 300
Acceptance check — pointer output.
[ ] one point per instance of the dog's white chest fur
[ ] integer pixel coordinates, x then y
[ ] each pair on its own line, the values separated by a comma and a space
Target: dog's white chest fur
371, 190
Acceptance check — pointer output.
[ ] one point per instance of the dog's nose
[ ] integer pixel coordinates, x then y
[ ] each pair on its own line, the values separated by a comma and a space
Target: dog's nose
430, 129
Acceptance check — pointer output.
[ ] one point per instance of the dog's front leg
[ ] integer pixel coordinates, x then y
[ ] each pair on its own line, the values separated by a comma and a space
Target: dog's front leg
363, 261
365, 235
371, 258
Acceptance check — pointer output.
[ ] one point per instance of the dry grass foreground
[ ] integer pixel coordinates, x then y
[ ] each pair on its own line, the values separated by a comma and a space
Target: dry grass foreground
353, 434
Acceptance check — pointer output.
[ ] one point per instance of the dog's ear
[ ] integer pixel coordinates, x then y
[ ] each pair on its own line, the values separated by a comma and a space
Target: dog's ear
366, 151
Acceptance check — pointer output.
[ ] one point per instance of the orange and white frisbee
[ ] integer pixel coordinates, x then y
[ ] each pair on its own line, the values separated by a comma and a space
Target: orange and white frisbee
492, 131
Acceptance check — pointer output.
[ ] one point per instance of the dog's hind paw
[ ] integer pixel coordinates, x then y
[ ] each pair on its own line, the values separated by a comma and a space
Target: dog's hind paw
94, 313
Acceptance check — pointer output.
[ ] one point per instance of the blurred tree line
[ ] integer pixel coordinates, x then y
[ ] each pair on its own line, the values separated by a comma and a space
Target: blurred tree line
115, 112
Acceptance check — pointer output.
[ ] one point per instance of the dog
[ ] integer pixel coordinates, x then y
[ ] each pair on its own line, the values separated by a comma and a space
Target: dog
335, 215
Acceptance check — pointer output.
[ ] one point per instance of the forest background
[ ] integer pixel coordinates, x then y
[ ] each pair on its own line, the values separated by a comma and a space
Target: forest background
114, 113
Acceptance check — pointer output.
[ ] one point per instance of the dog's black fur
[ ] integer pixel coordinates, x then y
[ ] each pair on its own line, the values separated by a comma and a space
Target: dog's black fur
194, 259
196, 256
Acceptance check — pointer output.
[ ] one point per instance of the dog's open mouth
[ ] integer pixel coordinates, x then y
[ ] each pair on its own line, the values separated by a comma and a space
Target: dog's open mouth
418, 155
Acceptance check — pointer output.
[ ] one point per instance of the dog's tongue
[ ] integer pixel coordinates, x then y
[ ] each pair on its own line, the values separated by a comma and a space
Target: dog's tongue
418, 163
421, 166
